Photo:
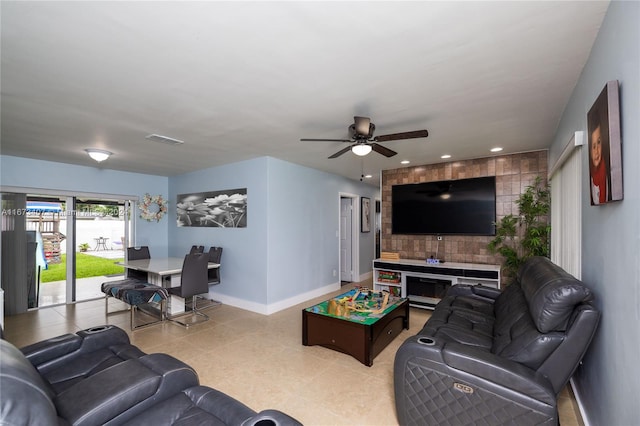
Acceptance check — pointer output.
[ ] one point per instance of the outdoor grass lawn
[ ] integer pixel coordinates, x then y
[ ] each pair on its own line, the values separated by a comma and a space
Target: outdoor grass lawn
86, 266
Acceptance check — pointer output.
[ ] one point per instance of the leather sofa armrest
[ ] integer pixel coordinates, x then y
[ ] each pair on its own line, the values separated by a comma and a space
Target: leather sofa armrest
503, 372
102, 336
480, 291
476, 365
50, 349
271, 418
62, 349
437, 382
124, 389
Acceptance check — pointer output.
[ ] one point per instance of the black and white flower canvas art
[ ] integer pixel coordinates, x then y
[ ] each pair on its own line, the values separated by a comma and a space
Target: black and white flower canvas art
214, 209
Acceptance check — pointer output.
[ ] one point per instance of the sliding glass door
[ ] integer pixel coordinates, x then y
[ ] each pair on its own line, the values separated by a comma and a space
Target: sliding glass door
100, 242
59, 249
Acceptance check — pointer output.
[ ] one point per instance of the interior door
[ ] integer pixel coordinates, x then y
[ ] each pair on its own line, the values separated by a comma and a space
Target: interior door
346, 205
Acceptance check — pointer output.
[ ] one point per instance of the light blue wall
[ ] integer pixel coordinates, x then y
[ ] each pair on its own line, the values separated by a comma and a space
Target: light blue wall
38, 174
304, 214
608, 382
244, 255
289, 247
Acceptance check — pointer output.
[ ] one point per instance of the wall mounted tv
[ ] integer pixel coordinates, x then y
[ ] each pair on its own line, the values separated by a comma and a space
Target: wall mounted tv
453, 207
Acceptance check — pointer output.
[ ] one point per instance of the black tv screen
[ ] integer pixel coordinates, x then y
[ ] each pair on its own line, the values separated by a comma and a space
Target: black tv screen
454, 207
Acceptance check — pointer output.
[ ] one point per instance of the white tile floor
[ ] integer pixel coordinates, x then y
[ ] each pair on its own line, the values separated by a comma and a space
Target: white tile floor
260, 360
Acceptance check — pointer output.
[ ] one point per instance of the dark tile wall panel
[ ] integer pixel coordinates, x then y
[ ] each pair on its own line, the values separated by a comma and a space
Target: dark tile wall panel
513, 174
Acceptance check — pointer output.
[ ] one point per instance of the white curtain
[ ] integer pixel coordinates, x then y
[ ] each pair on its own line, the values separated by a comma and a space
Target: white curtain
566, 220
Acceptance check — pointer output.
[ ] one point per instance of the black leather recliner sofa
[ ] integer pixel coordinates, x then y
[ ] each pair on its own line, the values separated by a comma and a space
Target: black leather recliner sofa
487, 357
96, 377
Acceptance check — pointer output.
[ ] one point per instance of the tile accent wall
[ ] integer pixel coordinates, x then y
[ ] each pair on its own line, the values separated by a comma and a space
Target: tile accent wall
513, 174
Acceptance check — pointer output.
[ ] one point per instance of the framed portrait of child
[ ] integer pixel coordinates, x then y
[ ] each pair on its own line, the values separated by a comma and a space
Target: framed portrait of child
605, 147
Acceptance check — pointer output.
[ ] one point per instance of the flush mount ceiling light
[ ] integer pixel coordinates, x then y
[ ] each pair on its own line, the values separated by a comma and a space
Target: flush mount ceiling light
361, 149
98, 154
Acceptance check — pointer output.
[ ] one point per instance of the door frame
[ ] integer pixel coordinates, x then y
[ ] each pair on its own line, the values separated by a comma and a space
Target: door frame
71, 198
355, 234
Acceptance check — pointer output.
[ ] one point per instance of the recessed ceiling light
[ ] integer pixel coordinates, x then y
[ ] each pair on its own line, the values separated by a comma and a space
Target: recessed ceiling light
496, 149
98, 154
368, 176
405, 162
445, 156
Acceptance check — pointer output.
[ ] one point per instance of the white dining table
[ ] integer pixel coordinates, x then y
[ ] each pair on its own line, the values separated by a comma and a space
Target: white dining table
160, 268
164, 272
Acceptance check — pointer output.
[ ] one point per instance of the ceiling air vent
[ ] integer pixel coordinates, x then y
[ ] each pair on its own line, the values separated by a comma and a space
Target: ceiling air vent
164, 139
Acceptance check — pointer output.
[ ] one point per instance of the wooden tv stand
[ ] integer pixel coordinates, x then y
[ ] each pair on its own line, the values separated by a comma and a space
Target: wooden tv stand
424, 283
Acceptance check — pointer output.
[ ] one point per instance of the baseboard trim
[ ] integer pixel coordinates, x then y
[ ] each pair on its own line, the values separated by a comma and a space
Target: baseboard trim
367, 276
576, 393
272, 308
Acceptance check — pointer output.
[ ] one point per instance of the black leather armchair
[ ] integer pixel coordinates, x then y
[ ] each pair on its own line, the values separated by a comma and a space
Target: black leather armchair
491, 357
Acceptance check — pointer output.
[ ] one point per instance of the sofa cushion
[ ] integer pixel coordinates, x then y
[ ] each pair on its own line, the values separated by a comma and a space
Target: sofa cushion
523, 343
552, 293
86, 365
197, 405
461, 319
467, 303
123, 390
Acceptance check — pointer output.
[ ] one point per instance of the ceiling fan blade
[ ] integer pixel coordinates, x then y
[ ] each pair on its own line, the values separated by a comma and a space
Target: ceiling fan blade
325, 140
405, 135
383, 150
362, 125
342, 151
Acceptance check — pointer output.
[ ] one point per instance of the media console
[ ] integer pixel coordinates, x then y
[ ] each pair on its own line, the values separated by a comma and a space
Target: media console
424, 283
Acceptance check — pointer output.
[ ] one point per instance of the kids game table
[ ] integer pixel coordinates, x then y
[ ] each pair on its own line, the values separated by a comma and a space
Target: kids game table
360, 334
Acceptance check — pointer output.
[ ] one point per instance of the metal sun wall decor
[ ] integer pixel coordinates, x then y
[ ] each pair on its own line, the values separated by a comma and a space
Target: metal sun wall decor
216, 209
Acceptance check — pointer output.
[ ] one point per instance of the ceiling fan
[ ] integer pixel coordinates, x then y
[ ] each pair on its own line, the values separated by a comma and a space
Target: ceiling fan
363, 142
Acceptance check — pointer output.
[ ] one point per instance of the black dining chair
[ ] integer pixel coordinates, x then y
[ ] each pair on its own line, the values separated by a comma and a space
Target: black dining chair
215, 254
196, 249
137, 253
193, 281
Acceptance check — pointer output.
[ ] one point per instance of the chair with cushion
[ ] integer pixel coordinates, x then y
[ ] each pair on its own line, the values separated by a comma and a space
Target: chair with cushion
193, 281
134, 290
139, 296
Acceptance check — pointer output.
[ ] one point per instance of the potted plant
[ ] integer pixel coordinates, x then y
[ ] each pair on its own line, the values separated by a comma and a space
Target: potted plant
83, 247
526, 234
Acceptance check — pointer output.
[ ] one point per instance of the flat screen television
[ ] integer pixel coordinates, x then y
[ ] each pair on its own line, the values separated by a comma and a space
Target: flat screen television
453, 207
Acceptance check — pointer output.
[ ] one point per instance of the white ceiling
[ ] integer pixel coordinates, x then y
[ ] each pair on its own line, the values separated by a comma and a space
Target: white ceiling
242, 80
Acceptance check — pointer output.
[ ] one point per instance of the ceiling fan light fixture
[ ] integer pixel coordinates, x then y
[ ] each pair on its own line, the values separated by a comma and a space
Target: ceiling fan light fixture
98, 154
361, 149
